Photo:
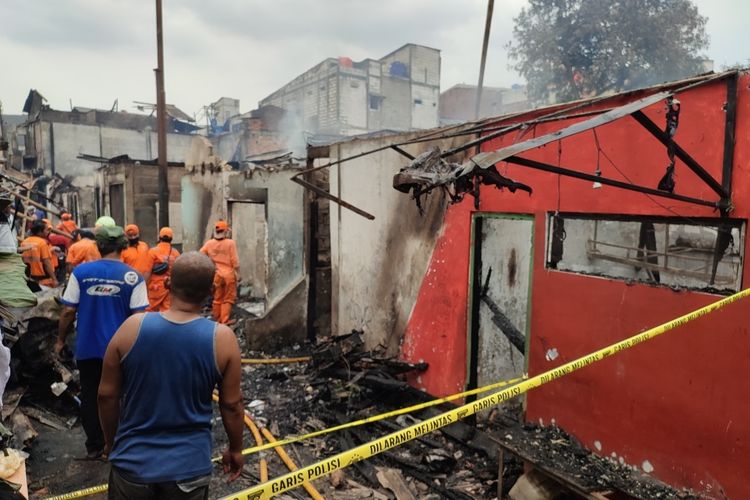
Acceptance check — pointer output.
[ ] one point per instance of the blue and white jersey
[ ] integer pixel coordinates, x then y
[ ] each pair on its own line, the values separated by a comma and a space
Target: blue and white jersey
105, 292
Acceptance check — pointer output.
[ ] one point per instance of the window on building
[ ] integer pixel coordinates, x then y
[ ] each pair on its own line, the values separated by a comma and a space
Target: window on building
417, 101
375, 101
676, 252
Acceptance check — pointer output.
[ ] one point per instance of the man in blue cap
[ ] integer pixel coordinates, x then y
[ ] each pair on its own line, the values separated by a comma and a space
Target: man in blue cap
100, 295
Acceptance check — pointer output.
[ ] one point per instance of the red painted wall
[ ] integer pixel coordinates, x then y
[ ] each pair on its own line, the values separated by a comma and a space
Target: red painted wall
679, 401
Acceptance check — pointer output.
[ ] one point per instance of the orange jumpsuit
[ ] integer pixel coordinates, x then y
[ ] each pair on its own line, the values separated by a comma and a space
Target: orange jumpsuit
82, 251
224, 254
35, 258
67, 226
137, 257
158, 293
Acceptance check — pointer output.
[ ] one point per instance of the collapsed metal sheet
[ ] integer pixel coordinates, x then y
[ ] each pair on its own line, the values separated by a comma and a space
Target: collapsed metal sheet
429, 171
487, 159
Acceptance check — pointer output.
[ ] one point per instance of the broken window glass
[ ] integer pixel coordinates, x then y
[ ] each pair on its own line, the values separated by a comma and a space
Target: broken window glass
705, 254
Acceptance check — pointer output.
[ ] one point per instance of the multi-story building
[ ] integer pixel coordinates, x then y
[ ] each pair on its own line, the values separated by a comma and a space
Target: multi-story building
338, 96
62, 148
458, 103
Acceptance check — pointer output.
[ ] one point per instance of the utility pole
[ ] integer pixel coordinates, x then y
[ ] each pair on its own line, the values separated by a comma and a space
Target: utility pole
480, 85
161, 119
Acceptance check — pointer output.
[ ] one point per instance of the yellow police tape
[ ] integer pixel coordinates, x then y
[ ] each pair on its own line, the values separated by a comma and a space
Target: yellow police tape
435, 421
81, 493
247, 451
346, 458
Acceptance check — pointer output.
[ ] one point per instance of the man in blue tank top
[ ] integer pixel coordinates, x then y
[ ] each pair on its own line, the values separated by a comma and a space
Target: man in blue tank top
155, 405
100, 295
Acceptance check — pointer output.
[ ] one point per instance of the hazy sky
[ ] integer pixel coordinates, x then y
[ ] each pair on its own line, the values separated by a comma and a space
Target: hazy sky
92, 52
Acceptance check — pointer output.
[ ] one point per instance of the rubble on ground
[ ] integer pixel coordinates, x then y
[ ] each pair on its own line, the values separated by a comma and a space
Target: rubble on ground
341, 382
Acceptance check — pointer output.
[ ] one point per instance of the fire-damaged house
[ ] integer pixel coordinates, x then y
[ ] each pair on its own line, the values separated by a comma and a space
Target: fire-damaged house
530, 240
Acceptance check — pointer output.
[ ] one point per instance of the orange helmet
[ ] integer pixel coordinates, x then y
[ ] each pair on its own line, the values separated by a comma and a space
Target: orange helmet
132, 231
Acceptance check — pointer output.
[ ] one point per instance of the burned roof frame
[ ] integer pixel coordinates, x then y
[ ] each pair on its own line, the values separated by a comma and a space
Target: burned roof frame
563, 112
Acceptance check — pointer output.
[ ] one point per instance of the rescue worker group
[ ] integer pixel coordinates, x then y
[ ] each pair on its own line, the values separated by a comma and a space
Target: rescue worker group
149, 361
51, 255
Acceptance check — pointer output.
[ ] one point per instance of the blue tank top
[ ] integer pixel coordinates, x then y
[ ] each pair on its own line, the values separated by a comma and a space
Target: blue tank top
164, 433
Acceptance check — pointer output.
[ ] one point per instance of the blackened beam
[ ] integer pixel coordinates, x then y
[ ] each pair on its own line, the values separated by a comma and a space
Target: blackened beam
729, 133
506, 326
610, 182
325, 194
399, 150
691, 163
560, 114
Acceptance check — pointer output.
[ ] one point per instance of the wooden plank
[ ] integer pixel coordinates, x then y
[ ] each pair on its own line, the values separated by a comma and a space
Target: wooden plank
394, 481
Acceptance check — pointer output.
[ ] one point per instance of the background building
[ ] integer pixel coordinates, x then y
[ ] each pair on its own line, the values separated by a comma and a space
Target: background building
341, 97
458, 103
58, 148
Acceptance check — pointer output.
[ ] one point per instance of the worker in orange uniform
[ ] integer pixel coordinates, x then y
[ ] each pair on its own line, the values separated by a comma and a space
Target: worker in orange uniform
84, 249
38, 255
67, 224
223, 252
162, 258
55, 251
136, 254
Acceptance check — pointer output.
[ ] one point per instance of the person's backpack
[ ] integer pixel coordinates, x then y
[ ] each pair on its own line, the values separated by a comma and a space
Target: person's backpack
162, 267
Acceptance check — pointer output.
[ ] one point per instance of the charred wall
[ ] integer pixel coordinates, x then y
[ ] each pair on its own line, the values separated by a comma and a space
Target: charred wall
379, 265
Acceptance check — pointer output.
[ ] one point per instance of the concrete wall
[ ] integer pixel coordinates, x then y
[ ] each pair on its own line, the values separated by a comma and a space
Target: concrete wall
377, 265
59, 144
354, 104
397, 104
70, 140
424, 106
204, 200
141, 194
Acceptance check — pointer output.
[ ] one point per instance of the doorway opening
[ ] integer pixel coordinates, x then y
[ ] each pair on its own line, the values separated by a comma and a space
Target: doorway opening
500, 303
248, 220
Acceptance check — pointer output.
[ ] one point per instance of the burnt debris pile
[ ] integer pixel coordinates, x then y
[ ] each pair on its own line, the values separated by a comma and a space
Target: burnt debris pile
42, 387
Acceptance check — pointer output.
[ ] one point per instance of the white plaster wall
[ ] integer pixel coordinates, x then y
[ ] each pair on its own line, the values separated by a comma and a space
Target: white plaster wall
134, 143
424, 115
70, 140
285, 223
378, 265
353, 97
397, 104
425, 65
204, 201
73, 139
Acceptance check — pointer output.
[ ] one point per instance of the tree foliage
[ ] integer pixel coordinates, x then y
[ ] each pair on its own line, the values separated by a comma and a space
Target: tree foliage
579, 48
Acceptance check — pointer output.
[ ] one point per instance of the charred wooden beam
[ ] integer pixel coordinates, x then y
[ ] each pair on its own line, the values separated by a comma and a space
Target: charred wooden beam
325, 194
610, 182
683, 155
729, 134
500, 320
